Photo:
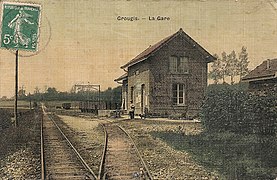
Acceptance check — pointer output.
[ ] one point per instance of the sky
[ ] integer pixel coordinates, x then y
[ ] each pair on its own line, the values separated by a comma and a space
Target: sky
83, 40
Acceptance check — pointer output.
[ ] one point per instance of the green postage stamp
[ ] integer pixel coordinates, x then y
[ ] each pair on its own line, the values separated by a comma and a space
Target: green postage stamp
20, 26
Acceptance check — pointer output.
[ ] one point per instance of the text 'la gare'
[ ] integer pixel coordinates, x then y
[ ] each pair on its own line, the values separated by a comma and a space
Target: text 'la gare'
149, 18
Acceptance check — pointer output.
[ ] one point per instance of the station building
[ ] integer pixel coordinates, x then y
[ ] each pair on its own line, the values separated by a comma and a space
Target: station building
263, 79
169, 77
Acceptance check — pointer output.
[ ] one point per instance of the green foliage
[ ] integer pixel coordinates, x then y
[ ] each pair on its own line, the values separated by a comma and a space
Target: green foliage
215, 74
232, 66
243, 62
231, 108
229, 66
221, 111
112, 95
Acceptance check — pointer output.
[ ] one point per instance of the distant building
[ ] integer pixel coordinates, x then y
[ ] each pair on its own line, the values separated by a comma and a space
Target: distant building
263, 78
169, 77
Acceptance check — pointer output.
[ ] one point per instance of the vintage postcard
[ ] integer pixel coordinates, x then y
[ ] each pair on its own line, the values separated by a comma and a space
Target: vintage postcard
129, 89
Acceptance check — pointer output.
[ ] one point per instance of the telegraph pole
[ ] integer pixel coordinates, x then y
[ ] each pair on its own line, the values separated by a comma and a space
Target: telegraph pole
16, 89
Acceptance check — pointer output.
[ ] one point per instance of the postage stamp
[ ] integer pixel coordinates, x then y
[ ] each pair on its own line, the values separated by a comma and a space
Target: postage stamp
20, 26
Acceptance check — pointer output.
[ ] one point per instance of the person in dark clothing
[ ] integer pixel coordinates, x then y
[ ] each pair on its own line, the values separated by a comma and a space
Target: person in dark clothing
132, 111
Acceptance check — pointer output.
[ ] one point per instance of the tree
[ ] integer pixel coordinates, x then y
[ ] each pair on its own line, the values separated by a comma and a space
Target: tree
215, 74
21, 92
243, 63
37, 90
223, 67
4, 98
51, 94
52, 90
232, 66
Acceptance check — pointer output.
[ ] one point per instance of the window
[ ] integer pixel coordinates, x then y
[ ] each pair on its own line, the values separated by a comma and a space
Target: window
178, 64
178, 91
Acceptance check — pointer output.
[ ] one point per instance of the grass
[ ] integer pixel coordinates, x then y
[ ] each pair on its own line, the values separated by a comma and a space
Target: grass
234, 156
10, 103
26, 134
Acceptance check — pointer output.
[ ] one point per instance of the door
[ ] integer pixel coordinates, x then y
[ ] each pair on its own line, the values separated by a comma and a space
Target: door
142, 98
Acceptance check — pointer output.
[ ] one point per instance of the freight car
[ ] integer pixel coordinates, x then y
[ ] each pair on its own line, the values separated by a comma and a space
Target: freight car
94, 106
66, 105
90, 106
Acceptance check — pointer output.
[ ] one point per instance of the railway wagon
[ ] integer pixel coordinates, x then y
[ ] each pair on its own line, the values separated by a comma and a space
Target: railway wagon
90, 106
66, 105
94, 106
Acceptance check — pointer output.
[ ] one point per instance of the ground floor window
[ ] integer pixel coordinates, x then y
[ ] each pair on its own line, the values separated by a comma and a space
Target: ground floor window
178, 94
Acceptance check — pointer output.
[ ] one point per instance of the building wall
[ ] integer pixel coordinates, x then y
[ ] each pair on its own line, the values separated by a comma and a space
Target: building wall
263, 87
161, 79
138, 78
154, 73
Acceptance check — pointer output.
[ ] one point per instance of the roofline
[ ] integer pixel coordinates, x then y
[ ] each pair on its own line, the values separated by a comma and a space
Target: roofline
209, 58
121, 78
260, 78
131, 64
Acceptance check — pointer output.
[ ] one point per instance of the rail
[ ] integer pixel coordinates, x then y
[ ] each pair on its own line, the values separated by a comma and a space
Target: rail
101, 168
43, 176
100, 174
42, 160
144, 164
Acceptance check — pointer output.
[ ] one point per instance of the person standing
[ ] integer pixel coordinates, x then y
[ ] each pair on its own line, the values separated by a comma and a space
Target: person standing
132, 111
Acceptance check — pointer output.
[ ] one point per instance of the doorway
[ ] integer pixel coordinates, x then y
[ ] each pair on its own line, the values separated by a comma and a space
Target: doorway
142, 98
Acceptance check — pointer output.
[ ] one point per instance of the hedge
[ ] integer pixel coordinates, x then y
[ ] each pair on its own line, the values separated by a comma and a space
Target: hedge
232, 108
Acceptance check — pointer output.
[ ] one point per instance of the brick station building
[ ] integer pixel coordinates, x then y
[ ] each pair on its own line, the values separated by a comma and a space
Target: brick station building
263, 78
169, 77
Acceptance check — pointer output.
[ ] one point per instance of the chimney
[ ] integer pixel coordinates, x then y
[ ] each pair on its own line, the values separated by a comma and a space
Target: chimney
268, 64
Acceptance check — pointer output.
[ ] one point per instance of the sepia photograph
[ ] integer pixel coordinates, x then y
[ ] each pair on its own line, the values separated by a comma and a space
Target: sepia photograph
138, 89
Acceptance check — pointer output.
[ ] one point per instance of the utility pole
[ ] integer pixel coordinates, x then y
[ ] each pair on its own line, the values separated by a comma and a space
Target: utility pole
16, 89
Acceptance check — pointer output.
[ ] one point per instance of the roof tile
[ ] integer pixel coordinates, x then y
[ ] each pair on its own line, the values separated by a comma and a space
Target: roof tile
264, 70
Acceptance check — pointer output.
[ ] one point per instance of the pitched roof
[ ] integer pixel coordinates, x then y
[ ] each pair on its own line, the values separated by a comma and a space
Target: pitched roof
266, 70
152, 49
123, 77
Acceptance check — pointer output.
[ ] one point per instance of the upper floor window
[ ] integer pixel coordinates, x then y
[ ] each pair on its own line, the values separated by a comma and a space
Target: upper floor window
178, 64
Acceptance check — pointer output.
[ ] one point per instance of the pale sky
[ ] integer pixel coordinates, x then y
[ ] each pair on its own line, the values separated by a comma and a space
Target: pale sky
82, 40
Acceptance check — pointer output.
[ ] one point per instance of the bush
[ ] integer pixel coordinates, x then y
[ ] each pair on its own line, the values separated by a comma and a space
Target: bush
231, 108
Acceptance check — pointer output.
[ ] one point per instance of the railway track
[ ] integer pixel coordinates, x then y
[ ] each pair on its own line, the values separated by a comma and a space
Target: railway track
121, 158
60, 160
